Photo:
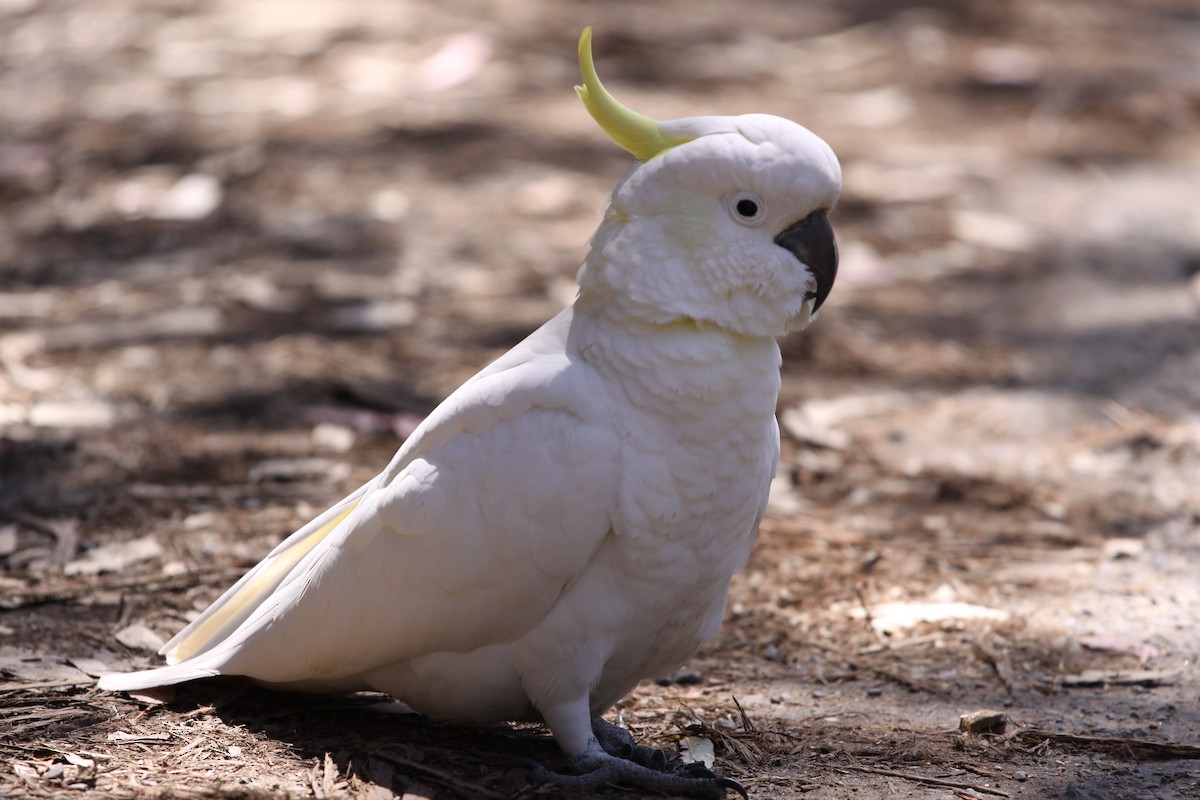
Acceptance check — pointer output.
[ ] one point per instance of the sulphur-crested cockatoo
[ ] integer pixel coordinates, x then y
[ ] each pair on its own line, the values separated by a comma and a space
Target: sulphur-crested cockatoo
567, 522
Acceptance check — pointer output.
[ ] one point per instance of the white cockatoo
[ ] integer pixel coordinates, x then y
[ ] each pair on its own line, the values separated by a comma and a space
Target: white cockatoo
568, 521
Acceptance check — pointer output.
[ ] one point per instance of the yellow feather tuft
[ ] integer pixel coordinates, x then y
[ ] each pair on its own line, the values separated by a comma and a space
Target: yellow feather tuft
253, 591
636, 133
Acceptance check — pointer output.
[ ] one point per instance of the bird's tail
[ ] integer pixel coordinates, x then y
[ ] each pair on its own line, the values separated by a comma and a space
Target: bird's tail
149, 678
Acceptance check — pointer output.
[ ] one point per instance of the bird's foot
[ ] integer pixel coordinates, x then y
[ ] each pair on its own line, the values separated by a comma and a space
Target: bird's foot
618, 741
597, 769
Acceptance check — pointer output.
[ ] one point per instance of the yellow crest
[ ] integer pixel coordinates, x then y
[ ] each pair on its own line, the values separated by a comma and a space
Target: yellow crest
638, 134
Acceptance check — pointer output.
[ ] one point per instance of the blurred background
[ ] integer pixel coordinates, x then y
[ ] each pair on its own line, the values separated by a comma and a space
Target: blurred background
245, 245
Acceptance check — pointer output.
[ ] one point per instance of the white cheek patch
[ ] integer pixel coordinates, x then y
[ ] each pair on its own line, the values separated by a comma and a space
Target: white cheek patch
802, 318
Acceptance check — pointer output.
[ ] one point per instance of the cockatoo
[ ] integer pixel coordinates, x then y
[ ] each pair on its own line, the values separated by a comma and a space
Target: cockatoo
567, 523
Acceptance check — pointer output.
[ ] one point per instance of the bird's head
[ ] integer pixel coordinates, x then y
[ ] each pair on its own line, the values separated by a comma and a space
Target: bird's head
723, 223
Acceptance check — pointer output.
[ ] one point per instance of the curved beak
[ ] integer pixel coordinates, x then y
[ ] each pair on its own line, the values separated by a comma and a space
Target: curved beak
811, 240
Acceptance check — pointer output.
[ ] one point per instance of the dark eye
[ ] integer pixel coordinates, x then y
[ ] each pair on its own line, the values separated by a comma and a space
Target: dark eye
746, 208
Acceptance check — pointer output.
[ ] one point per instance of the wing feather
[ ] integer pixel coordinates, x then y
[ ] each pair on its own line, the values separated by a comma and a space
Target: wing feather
239, 601
467, 539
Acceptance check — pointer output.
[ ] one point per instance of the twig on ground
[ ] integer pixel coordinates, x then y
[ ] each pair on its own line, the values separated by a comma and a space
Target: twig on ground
868, 617
925, 780
747, 725
1142, 747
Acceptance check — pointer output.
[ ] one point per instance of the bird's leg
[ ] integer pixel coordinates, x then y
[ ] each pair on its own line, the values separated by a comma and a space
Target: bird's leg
593, 767
618, 741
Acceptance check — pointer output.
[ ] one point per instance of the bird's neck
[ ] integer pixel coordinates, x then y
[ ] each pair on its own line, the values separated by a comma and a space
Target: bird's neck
678, 365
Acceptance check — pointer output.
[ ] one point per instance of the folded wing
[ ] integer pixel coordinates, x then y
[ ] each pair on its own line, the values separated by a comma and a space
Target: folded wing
465, 540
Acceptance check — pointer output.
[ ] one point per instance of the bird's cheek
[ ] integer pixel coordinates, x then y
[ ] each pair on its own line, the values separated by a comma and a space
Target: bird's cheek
792, 296
800, 320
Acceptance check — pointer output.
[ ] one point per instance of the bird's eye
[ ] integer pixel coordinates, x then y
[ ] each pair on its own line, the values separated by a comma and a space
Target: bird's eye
746, 208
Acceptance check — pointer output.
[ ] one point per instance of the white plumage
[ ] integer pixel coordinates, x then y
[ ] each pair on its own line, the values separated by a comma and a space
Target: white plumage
568, 521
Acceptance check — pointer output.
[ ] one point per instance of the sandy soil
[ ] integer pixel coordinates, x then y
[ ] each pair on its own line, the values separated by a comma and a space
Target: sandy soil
245, 246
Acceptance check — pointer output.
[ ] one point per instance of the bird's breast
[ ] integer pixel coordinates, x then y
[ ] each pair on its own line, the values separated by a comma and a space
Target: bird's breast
700, 446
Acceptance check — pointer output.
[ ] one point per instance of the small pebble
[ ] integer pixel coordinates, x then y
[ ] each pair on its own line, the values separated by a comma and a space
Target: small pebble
771, 653
1021, 776
985, 721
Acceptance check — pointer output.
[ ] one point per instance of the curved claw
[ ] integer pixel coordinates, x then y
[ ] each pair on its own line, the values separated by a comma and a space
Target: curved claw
699, 771
730, 783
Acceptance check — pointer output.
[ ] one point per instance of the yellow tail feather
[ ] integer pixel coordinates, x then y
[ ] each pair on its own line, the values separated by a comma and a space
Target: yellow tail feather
268, 578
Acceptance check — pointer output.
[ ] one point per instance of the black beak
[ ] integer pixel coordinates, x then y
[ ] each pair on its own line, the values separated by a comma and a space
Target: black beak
811, 240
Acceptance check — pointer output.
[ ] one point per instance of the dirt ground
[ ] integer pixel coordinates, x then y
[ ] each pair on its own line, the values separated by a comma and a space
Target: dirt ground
246, 244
